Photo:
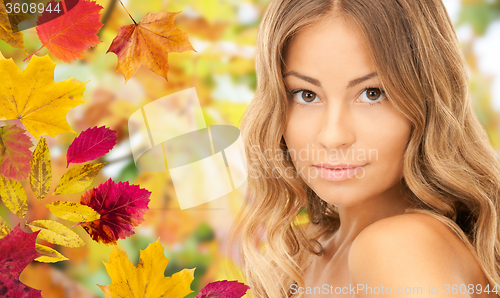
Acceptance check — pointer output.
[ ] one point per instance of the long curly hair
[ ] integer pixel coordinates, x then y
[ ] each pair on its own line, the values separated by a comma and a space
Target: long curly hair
451, 171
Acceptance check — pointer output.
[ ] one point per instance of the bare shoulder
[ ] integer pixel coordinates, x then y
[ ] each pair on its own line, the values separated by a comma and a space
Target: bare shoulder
410, 235
408, 230
411, 250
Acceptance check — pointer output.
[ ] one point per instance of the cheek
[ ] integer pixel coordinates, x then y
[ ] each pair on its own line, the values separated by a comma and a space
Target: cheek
299, 140
390, 140
394, 135
382, 127
299, 131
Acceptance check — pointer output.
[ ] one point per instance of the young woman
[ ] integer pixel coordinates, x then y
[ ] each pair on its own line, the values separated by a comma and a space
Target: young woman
362, 118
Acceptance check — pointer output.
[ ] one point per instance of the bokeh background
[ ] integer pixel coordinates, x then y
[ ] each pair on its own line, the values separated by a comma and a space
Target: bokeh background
223, 32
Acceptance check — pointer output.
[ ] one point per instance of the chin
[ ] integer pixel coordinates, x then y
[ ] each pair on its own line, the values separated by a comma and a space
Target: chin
346, 197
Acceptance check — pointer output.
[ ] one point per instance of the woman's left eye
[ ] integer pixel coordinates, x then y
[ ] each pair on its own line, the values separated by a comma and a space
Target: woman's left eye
372, 95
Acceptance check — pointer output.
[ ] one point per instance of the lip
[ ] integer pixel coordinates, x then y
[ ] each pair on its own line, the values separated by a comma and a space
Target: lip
337, 172
338, 166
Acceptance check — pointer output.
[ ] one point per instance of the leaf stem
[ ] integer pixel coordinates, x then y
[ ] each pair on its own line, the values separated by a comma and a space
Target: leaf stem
127, 12
64, 6
34, 53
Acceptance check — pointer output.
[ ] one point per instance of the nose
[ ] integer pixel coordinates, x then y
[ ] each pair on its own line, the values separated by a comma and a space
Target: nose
337, 130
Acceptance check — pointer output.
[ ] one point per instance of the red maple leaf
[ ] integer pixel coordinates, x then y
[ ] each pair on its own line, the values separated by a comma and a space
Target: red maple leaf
18, 250
121, 206
223, 289
68, 35
148, 42
15, 155
91, 144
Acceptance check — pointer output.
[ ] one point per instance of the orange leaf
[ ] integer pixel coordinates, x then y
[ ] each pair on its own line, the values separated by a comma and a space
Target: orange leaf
149, 43
9, 32
70, 34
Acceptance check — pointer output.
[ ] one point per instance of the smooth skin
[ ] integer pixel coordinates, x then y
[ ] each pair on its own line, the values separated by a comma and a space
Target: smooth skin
339, 114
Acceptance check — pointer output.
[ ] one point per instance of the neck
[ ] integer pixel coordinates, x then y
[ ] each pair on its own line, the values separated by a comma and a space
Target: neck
353, 219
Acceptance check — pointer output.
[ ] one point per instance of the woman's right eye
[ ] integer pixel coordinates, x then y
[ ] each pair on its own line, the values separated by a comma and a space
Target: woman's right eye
305, 96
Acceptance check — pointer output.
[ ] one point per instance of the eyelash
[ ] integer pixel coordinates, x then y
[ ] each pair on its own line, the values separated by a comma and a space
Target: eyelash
293, 92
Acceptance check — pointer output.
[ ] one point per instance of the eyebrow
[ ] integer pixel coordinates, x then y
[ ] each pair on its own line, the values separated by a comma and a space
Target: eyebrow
317, 83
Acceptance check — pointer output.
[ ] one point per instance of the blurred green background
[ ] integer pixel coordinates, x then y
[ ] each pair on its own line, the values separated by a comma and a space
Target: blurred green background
222, 70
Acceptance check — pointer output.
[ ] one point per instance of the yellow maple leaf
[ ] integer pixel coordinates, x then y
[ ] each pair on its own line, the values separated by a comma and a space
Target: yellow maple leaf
147, 280
148, 42
32, 96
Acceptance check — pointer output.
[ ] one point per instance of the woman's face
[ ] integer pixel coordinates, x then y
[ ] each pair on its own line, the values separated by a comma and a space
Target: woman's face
339, 115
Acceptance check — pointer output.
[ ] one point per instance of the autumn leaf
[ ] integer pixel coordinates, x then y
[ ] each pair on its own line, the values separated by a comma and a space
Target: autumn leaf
78, 178
33, 97
49, 255
41, 170
147, 279
73, 211
121, 206
15, 155
8, 26
4, 228
55, 232
18, 250
13, 196
148, 42
91, 144
223, 289
70, 34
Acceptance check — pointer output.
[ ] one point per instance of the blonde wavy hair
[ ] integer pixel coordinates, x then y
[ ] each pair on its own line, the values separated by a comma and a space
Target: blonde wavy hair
451, 171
